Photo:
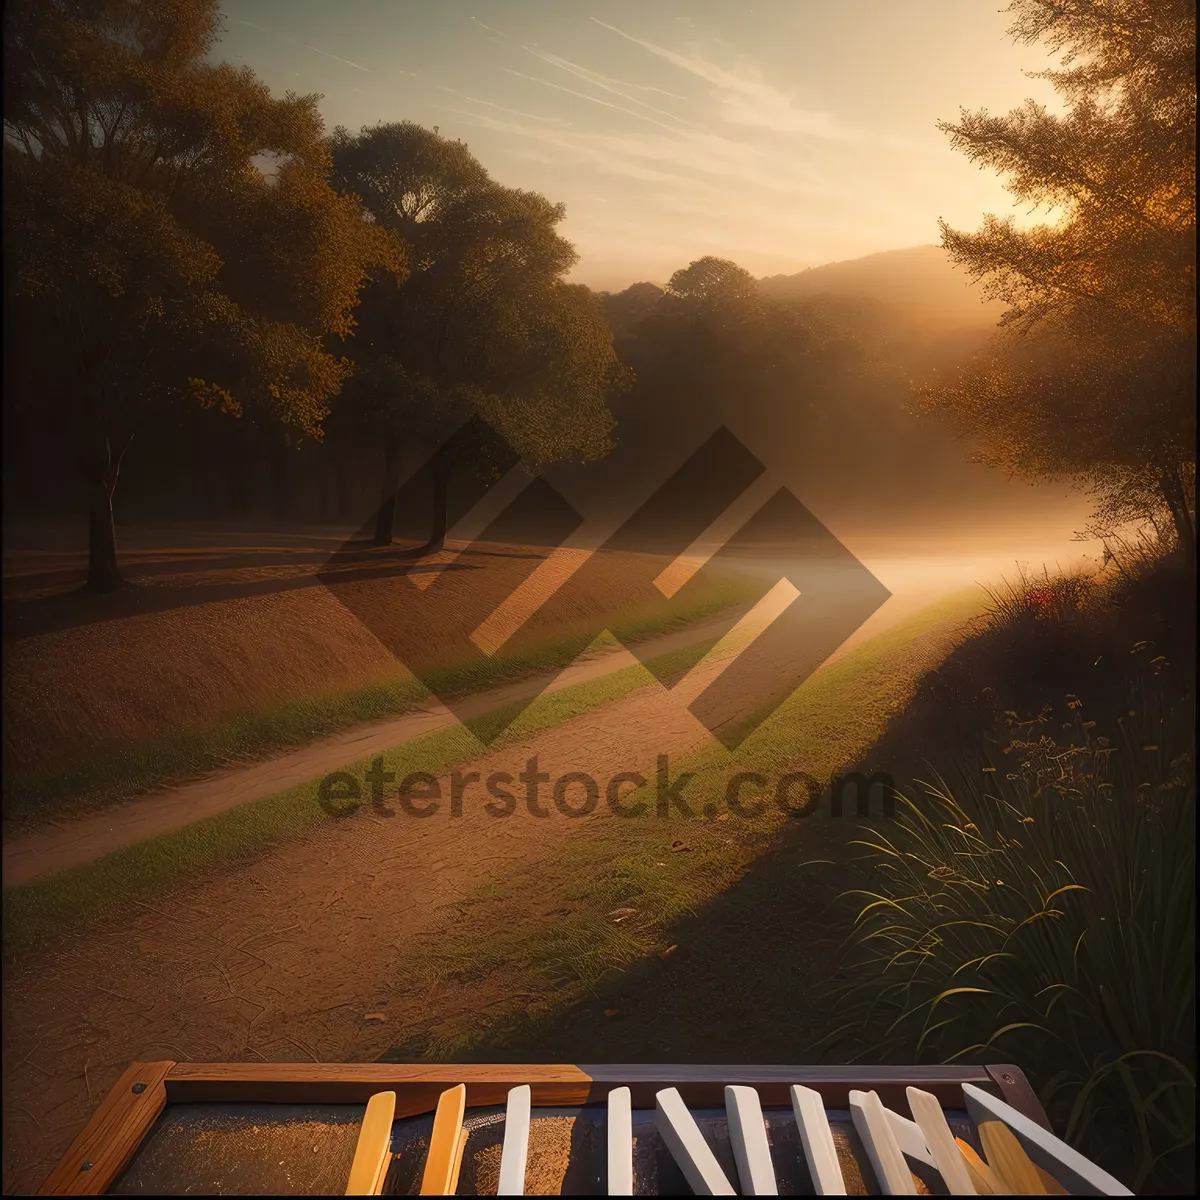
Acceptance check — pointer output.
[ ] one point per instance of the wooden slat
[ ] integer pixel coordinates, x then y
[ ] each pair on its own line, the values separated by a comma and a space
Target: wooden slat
984, 1179
620, 1143
515, 1151
1079, 1175
692, 1154
909, 1138
417, 1086
445, 1144
1052, 1186
452, 1182
1008, 1160
946, 1155
372, 1152
817, 1138
748, 1138
891, 1171
107, 1143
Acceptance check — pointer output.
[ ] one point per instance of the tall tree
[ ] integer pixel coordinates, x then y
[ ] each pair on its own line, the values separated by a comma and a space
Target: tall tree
1092, 373
484, 324
170, 228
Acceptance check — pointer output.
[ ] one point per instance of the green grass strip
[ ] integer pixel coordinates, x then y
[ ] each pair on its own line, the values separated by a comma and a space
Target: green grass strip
109, 778
44, 908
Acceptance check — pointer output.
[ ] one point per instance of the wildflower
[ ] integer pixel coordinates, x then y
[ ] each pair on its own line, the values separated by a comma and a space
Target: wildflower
1042, 598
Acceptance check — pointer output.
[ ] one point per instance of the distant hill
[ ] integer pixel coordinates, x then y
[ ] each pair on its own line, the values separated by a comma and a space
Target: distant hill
921, 283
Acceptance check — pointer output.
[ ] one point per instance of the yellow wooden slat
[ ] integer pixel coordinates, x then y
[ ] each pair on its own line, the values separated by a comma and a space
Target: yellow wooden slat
374, 1144
1008, 1160
986, 1181
445, 1144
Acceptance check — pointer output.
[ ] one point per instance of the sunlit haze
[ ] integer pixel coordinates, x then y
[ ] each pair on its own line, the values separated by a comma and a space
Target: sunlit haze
782, 134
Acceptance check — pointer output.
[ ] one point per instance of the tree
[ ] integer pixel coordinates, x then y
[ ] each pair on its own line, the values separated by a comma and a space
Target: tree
712, 344
1092, 373
716, 287
161, 264
484, 324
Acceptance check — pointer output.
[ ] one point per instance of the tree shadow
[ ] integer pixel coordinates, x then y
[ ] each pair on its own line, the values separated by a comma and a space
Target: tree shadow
355, 561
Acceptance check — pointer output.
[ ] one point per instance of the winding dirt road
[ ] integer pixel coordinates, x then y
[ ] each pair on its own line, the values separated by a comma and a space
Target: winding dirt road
306, 953
72, 843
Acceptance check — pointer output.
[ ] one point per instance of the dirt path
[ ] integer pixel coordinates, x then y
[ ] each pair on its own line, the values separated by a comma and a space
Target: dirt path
71, 843
305, 953
284, 959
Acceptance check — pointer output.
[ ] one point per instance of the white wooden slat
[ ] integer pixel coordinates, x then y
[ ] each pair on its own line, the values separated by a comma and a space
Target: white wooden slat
515, 1150
817, 1137
875, 1130
748, 1137
678, 1129
946, 1155
1079, 1175
620, 1142
909, 1138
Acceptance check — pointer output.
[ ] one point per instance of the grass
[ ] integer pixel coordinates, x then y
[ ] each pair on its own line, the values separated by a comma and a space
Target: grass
667, 870
1037, 904
46, 908
108, 778
1043, 911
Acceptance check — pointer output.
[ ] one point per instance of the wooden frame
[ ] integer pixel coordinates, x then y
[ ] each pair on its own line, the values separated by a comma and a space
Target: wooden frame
105, 1146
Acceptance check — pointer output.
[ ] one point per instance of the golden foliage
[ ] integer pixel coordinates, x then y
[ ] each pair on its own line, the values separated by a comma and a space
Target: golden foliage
1093, 373
172, 218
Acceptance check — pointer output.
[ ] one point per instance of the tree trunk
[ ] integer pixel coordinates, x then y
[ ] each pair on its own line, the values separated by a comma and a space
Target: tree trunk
104, 574
437, 532
281, 500
385, 519
1175, 494
341, 487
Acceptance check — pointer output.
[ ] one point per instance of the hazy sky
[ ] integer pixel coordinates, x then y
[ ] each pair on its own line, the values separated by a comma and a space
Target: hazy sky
782, 134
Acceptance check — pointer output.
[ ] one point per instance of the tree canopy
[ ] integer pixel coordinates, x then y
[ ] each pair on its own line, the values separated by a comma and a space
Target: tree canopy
1092, 375
485, 322
170, 224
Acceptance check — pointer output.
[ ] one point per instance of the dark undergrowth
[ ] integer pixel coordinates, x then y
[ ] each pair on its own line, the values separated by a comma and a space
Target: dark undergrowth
1033, 898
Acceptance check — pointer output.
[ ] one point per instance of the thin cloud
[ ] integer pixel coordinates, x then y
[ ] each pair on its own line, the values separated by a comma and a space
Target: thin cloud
591, 99
694, 162
584, 149
745, 98
515, 112
487, 27
282, 37
337, 58
605, 83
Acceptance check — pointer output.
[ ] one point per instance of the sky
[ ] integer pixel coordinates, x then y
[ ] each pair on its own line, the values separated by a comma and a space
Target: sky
782, 134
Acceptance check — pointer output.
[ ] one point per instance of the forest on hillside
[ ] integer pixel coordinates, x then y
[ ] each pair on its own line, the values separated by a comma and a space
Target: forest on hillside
216, 308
